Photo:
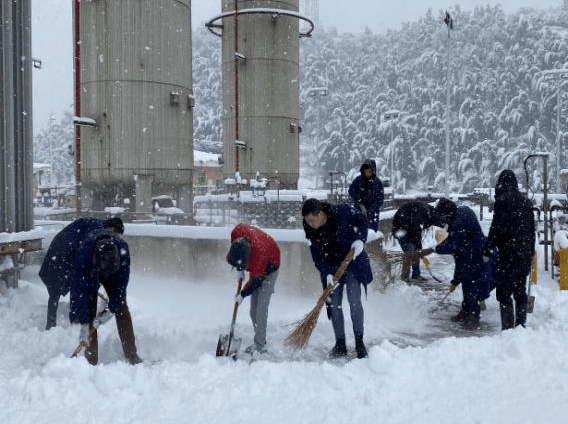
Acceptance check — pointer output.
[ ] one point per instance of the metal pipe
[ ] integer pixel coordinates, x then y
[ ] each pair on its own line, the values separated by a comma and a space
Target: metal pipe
447, 192
77, 86
558, 151
545, 210
236, 59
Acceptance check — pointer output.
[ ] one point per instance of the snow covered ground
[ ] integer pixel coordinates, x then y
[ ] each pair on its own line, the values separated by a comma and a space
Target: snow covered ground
419, 370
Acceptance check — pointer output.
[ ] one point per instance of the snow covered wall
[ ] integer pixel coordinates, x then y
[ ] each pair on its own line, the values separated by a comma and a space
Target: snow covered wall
198, 254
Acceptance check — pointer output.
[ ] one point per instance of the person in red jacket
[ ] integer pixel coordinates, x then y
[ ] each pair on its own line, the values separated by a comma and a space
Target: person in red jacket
256, 252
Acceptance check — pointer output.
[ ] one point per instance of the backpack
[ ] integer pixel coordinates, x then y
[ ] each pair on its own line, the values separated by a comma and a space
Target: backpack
106, 260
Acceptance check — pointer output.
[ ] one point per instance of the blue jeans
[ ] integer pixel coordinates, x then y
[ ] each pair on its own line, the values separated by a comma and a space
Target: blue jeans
354, 298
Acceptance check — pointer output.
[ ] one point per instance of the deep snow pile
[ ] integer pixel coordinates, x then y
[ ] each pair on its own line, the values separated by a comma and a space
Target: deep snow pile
419, 370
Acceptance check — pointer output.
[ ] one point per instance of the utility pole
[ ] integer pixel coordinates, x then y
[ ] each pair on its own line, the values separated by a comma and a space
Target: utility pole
450, 25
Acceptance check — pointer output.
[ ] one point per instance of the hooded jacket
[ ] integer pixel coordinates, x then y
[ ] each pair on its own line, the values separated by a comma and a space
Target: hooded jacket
263, 258
57, 267
465, 243
409, 221
85, 280
330, 243
512, 230
368, 193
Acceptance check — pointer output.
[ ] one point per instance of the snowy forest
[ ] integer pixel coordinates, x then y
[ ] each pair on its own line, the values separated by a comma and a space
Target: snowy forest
502, 107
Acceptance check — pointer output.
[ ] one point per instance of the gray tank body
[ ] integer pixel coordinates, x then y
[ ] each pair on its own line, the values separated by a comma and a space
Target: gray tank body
268, 92
136, 83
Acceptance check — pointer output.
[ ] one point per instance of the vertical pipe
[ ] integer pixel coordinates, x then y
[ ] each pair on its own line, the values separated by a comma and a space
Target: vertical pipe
7, 180
24, 128
77, 87
545, 209
236, 44
447, 193
558, 152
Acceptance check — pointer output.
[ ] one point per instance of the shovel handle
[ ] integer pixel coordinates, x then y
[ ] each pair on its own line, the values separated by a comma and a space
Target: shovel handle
236, 307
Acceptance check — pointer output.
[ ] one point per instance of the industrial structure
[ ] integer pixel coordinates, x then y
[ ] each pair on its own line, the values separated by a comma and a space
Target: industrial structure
16, 138
260, 72
133, 102
16, 141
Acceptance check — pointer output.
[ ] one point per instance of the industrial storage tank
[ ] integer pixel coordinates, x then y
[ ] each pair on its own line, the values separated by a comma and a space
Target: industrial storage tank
261, 90
134, 101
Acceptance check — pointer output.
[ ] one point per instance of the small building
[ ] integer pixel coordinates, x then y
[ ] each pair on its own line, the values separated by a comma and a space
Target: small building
207, 172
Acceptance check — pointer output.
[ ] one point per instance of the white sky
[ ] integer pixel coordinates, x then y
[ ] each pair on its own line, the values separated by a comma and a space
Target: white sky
52, 35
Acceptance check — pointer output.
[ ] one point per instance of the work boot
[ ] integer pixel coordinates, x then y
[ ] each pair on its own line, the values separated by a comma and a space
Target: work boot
507, 316
339, 350
471, 322
255, 348
419, 279
460, 317
360, 347
133, 359
521, 314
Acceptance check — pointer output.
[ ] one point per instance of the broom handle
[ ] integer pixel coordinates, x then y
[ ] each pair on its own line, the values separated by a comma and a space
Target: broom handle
339, 273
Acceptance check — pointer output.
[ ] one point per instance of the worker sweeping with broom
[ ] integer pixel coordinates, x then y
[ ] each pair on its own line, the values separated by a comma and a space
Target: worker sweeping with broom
336, 232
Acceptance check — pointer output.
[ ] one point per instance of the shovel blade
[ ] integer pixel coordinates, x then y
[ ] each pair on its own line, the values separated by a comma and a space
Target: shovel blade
530, 305
223, 347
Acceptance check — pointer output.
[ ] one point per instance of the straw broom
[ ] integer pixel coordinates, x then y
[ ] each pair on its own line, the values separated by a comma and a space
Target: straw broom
299, 337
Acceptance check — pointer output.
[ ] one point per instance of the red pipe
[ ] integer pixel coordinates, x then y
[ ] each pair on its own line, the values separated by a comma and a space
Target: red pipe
236, 41
77, 75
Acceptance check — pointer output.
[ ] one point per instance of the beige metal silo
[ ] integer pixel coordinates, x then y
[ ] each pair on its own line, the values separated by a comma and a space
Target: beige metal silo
135, 83
261, 90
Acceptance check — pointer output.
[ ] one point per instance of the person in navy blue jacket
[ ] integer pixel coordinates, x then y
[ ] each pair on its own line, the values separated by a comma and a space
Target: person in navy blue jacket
333, 231
465, 242
407, 225
57, 267
367, 193
102, 259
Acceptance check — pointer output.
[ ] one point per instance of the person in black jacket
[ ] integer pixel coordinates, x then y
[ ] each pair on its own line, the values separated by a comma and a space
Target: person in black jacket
407, 225
512, 233
367, 193
333, 231
57, 267
102, 259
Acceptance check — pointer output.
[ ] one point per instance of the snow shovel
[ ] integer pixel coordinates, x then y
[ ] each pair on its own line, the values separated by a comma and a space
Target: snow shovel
427, 265
83, 345
530, 302
228, 345
441, 302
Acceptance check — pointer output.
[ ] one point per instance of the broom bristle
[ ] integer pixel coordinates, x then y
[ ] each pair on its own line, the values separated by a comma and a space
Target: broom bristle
299, 337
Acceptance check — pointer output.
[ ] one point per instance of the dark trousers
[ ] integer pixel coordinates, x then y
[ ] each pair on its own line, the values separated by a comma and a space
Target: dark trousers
409, 260
353, 288
52, 304
511, 285
125, 332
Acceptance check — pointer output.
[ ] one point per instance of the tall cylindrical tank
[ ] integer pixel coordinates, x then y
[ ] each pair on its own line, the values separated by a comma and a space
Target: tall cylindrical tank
136, 84
261, 91
16, 137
